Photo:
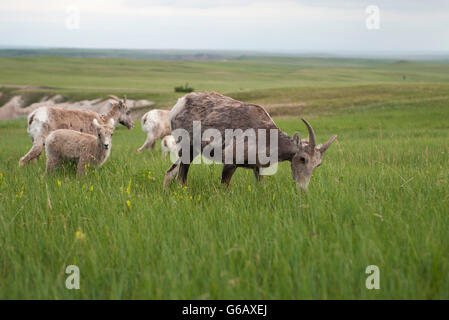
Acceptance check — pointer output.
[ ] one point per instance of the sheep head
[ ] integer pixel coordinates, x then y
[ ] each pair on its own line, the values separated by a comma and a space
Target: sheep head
104, 132
308, 157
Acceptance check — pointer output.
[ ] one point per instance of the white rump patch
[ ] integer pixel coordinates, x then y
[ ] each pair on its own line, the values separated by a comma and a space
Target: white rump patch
41, 114
153, 118
143, 121
40, 117
176, 109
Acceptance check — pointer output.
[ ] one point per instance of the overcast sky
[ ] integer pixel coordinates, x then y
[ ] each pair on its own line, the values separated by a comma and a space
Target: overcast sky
264, 25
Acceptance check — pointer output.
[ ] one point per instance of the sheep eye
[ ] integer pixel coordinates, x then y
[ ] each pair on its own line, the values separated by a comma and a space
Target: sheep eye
99, 135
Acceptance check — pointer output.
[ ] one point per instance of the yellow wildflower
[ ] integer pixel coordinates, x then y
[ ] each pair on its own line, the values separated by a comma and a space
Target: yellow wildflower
199, 197
20, 194
128, 203
1, 175
91, 188
249, 188
79, 235
190, 197
59, 182
128, 189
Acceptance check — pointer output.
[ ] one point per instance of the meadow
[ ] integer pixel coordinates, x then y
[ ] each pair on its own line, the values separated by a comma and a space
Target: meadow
380, 197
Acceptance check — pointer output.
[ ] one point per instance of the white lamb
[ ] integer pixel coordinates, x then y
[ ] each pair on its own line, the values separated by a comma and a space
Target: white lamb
155, 124
168, 144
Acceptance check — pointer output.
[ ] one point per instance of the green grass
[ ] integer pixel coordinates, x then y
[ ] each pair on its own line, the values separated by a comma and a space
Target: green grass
81, 78
380, 198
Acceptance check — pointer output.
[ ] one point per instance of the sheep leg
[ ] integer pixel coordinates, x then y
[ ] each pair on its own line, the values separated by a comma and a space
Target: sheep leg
184, 167
52, 163
34, 152
227, 173
257, 174
81, 167
149, 143
171, 173
183, 171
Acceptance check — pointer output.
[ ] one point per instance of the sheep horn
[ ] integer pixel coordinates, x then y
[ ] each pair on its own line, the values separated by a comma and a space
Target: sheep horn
328, 143
312, 141
113, 97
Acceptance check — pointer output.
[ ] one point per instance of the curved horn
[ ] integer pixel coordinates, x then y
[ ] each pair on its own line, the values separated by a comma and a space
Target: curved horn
312, 140
328, 143
113, 97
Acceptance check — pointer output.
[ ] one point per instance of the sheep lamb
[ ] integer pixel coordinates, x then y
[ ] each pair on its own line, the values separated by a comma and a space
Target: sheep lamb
155, 124
168, 144
82, 148
44, 120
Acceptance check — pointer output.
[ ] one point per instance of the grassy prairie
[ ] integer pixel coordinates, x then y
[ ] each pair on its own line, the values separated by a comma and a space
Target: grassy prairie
380, 198
88, 77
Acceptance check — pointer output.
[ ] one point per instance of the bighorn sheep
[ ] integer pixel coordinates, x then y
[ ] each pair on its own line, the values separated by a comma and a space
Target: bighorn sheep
81, 148
168, 144
218, 112
44, 120
155, 124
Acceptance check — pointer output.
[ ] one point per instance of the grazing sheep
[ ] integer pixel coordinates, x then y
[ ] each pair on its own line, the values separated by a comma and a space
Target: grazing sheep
216, 111
168, 144
155, 124
44, 120
81, 148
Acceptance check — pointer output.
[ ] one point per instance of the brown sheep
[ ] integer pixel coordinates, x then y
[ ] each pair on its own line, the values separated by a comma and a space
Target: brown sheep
220, 113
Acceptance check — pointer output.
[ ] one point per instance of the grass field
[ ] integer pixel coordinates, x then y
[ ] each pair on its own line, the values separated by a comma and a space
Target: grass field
380, 198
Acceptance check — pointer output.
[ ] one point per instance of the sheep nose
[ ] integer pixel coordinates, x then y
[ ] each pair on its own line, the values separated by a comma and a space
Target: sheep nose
106, 146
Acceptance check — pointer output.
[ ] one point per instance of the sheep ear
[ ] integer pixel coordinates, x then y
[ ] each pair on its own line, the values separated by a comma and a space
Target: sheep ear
95, 122
111, 122
297, 139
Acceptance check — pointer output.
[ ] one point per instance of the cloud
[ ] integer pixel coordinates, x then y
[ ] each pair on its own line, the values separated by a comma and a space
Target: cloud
274, 25
188, 3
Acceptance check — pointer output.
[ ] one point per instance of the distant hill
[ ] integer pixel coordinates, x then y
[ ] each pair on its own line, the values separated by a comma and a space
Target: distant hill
206, 55
176, 55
